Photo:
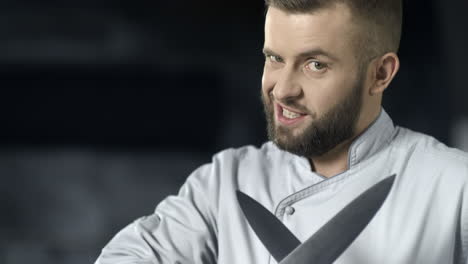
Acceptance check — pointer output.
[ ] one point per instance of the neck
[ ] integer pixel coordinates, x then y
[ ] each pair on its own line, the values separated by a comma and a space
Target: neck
333, 162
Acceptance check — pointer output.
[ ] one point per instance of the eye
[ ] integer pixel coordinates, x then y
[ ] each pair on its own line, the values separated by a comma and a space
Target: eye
274, 58
316, 66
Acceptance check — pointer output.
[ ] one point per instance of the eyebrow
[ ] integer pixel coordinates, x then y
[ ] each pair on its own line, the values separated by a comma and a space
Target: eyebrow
305, 54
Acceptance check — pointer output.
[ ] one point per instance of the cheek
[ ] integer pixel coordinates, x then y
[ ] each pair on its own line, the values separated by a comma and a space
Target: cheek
324, 95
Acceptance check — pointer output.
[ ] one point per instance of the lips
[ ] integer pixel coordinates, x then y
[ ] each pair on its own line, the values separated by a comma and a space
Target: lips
280, 107
288, 121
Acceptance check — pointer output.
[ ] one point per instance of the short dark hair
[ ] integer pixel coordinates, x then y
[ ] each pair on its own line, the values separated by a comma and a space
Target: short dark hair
381, 20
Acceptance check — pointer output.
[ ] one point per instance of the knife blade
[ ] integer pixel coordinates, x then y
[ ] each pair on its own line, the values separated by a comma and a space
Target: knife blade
275, 236
331, 240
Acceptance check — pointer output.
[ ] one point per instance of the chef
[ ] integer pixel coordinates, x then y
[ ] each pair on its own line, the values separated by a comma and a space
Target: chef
327, 65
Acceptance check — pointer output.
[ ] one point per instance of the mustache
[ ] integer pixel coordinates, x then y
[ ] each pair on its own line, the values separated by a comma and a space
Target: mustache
288, 103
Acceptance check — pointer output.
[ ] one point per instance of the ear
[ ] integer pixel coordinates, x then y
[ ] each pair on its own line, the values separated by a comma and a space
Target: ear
385, 69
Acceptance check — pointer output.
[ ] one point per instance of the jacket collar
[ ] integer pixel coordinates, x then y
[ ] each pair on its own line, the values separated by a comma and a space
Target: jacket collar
372, 140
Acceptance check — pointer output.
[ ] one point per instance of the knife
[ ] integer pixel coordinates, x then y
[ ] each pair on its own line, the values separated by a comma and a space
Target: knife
275, 236
329, 242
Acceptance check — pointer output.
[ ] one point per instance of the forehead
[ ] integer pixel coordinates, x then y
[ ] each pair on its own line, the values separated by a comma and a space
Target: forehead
328, 29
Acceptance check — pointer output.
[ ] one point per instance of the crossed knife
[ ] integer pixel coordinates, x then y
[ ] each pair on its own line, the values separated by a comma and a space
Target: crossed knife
329, 242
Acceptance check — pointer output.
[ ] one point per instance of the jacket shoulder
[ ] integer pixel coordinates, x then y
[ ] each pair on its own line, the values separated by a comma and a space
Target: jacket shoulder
428, 149
249, 165
246, 153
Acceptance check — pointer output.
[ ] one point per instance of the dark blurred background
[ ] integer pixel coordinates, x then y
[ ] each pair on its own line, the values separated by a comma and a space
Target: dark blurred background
107, 106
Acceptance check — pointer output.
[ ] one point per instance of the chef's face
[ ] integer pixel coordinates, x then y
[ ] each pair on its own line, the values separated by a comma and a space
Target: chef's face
311, 69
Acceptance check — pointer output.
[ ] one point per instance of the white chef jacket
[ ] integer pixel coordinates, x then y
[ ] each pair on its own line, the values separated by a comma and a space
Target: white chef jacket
423, 220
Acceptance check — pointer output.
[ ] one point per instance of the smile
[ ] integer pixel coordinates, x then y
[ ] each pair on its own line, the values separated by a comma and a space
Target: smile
288, 117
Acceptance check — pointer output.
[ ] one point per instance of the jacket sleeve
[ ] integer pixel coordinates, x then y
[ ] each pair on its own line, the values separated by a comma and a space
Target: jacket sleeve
182, 229
461, 248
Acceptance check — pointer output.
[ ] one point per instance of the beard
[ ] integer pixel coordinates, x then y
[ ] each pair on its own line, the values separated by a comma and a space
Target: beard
322, 134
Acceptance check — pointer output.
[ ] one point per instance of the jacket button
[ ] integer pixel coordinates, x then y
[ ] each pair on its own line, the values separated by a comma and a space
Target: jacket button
290, 210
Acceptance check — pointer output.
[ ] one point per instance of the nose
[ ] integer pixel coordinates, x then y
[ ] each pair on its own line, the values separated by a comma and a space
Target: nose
287, 85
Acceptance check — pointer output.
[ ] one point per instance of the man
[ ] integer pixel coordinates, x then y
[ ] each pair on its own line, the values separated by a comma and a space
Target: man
327, 65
